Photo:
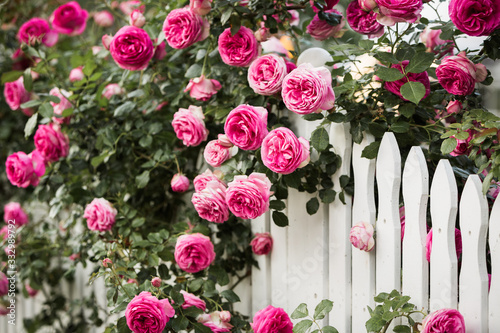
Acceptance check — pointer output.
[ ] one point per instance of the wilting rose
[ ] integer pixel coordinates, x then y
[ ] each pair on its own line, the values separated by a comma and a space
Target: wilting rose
200, 181
76, 74
434, 44
210, 203
272, 319
393, 11
14, 212
218, 151
475, 17
24, 170
137, 19
15, 94
283, 152
217, 321
103, 18
329, 4
458, 244
100, 215
266, 74
262, 243
361, 236
146, 314
131, 48
4, 284
248, 196
194, 252
200, 7
51, 142
61, 106
238, 50
395, 86
189, 126
202, 89
192, 300
183, 28
112, 89
444, 320
363, 22
37, 30
160, 52
69, 19
127, 7
179, 183
246, 126
320, 29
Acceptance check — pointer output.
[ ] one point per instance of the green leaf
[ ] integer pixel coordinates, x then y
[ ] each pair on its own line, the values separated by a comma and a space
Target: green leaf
230, 296
28, 80
407, 109
122, 325
329, 329
200, 328
420, 62
179, 323
371, 150
163, 271
67, 112
400, 127
322, 309
312, 206
313, 116
300, 312
30, 104
413, 91
448, 145
336, 117
193, 71
280, 219
277, 205
11, 76
125, 108
46, 110
389, 74
220, 274
402, 329
137, 222
95, 161
226, 15
320, 139
375, 324
195, 285
292, 180
302, 326
142, 180
30, 125
366, 44
327, 196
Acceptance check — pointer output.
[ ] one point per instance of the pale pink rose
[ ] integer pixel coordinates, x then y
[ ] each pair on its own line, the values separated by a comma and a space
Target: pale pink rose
262, 34
200, 7
112, 89
192, 300
74, 256
156, 282
262, 243
183, 28
15, 94
189, 126
225, 316
37, 30
434, 44
454, 106
61, 106
475, 17
131, 48
444, 320
76, 74
458, 244
160, 51
283, 152
272, 319
200, 181
308, 89
202, 89
133, 281
24, 170
100, 215
248, 196
146, 314
238, 50
246, 126
4, 284
106, 262
194, 252
106, 41
367, 5
51, 142
179, 183
274, 45
210, 203
363, 22
266, 74
127, 7
458, 75
69, 19
137, 19
320, 29
14, 212
217, 152
215, 321
394, 11
361, 236
103, 18
96, 49
32, 292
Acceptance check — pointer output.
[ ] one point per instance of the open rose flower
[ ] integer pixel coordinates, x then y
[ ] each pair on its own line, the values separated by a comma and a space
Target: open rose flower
444, 320
283, 152
434, 44
194, 252
320, 29
61, 106
218, 151
103, 18
112, 89
394, 11
69, 19
14, 212
395, 86
475, 17
238, 50
179, 183
272, 319
248, 196
246, 126
192, 300
200, 181
189, 126
51, 142
200, 7
262, 243
147, 314
183, 28
458, 244
15, 94
363, 22
308, 89
37, 30
131, 48
25, 170
217, 321
202, 89
266, 74
361, 236
100, 215
210, 203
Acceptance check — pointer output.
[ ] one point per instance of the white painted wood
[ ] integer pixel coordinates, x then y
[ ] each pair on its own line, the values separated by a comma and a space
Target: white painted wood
494, 295
279, 265
261, 277
444, 265
416, 196
363, 263
473, 286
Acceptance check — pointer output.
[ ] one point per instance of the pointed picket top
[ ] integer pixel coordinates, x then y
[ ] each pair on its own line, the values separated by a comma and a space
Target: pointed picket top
416, 197
444, 264
494, 242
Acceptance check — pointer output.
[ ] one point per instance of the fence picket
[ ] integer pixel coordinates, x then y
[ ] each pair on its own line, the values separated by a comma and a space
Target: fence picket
279, 265
494, 295
261, 278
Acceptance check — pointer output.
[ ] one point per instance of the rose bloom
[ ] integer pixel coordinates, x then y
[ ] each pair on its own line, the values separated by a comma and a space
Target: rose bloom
183, 28
283, 152
210, 203
363, 22
262, 243
361, 236
238, 50
32, 292
194, 252
218, 151
266, 74
200, 7
37, 30
24, 170
189, 126
61, 106
462, 147
112, 89
435, 44
21, 61
69, 19
137, 19
217, 321
179, 183
458, 244
367, 5
100, 215
104, 18
475, 17
127, 7
51, 142
15, 94
308, 89
131, 48
262, 34
248, 196
393, 11
14, 212
107, 262
458, 75
272, 319
200, 181
246, 126
156, 282
192, 300
395, 86
202, 89
321, 30
76, 74
4, 284
454, 107
444, 320
147, 314
328, 4
160, 52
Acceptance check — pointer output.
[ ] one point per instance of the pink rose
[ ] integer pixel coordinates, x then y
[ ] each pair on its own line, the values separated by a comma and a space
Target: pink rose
262, 243
156, 282
127, 7
104, 18
69, 19
200, 181
248, 196
202, 89
14, 212
402, 219
320, 29
3, 310
106, 262
218, 151
183, 28
146, 314
24, 170
274, 45
4, 284
37, 30
283, 152
361, 236
454, 107
160, 52
192, 300
210, 203
238, 50
444, 320
364, 22
51, 142
189, 126
217, 321
100, 215
458, 244
475, 17
329, 4
137, 19
494, 189
308, 89
194, 252
61, 106
262, 34
393, 11
458, 75
76, 74
21, 61
272, 319
266, 74
200, 7
367, 5
246, 126
462, 147
112, 89
32, 292
395, 86
435, 44
131, 48
179, 183
15, 94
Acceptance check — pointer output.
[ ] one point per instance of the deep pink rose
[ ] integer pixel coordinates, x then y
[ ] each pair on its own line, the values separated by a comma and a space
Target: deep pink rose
127, 7
202, 89
454, 106
475, 17
131, 48
361, 236
328, 4
210, 203
112, 89
266, 74
61, 106
200, 181
458, 75
308, 89
462, 147
238, 50
160, 51
218, 151
189, 126
192, 300
458, 244
434, 44
362, 21
4, 284
76, 74
156, 282
179, 183
367, 5
283, 152
183, 28
137, 19
395, 86
69, 19
248, 196
15, 94
37, 30
147, 314
320, 29
217, 321
262, 243
51, 142
246, 126
200, 7
444, 321
104, 18
393, 11
100, 215
272, 320
32, 292
194, 252
24, 170
13, 211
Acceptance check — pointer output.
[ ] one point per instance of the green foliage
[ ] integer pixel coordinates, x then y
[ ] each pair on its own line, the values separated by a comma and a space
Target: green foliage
313, 323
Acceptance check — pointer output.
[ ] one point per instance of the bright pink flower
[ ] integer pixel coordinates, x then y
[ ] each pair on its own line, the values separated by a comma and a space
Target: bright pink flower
156, 282
364, 22
112, 89
179, 183
202, 89
15, 94
217, 321
246, 126
189, 126
200, 7
183, 28
238, 50
24, 170
262, 243
361, 236
458, 75
137, 19
444, 320
131, 48
462, 147
194, 252
127, 7
320, 29
217, 152
458, 244
272, 319
475, 17
69, 19
4, 284
146, 314
393, 11
210, 203
192, 300
51, 142
61, 106
104, 18
395, 86
248, 196
435, 44
14, 212
100, 215
106, 262
74, 256
283, 152
200, 181
76, 74
266, 74
37, 30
